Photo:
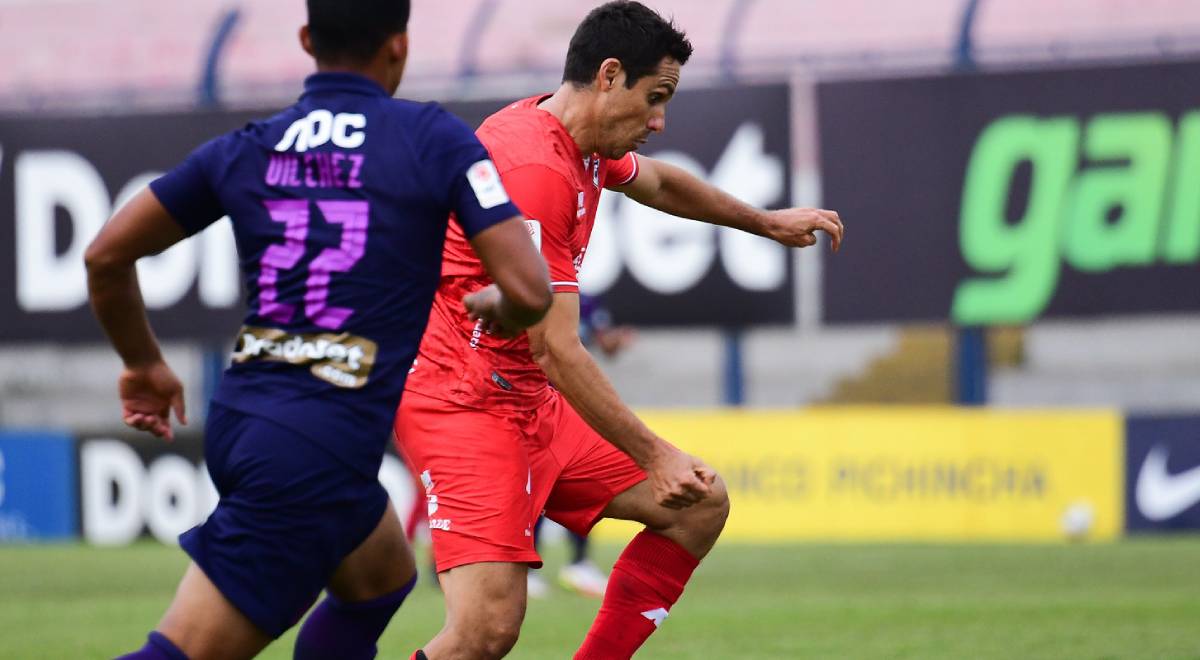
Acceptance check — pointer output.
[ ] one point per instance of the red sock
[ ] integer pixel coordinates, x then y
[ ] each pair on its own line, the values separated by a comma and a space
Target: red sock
646, 581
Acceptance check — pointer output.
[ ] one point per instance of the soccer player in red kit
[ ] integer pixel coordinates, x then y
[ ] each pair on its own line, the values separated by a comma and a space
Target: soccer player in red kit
492, 441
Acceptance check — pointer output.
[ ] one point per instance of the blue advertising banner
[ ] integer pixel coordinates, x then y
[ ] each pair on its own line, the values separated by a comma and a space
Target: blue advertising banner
1162, 473
37, 486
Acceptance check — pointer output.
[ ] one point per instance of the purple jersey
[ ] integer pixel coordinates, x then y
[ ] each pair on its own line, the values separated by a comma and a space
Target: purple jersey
339, 207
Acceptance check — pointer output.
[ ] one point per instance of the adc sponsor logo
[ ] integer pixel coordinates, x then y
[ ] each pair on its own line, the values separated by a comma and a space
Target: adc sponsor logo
1162, 473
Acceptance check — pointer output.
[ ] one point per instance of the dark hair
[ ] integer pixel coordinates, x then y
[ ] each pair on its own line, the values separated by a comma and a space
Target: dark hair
629, 31
344, 30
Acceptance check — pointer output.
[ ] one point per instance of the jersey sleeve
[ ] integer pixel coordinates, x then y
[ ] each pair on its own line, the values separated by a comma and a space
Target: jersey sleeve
549, 204
189, 191
622, 171
462, 173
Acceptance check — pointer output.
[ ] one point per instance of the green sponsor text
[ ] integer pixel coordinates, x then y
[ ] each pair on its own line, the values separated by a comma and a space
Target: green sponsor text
1134, 202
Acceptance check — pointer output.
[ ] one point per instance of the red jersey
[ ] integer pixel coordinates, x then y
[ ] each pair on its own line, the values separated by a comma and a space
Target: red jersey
558, 190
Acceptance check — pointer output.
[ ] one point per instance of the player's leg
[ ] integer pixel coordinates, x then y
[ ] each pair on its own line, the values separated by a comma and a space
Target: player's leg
598, 481
201, 623
579, 547
482, 486
652, 571
695, 528
289, 514
366, 590
485, 605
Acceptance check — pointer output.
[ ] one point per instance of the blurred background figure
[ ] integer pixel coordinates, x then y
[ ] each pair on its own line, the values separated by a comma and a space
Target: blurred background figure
597, 330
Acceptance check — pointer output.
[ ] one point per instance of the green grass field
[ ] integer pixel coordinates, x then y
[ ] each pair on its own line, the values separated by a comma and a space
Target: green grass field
1132, 599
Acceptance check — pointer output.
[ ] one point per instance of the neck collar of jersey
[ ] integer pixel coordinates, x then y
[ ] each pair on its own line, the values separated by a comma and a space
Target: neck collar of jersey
535, 103
342, 81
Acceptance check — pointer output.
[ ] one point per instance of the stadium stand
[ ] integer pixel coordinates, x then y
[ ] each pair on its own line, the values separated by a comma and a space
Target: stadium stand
64, 52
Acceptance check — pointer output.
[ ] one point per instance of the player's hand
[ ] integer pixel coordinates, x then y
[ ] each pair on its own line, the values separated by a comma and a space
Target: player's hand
484, 306
148, 395
679, 480
797, 227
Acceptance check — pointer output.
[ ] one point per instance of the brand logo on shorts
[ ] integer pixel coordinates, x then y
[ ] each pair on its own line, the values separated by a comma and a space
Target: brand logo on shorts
434, 523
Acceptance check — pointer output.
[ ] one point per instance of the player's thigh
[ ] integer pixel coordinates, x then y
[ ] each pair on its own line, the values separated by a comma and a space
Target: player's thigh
637, 504
593, 474
289, 516
485, 599
477, 477
381, 565
204, 624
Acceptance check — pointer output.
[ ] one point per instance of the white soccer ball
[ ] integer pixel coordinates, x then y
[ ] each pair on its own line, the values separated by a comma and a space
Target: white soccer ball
1077, 520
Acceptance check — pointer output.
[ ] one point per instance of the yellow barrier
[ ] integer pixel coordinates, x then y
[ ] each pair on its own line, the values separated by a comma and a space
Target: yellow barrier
907, 474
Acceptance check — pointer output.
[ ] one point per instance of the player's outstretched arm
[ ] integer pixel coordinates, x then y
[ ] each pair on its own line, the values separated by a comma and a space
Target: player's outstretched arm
521, 293
148, 388
677, 480
673, 190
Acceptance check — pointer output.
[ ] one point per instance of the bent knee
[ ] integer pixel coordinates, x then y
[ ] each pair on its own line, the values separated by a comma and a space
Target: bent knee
490, 633
716, 505
493, 639
501, 638
707, 516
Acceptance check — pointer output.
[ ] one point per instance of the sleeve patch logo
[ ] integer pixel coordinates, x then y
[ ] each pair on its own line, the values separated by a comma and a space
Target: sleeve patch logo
485, 181
535, 233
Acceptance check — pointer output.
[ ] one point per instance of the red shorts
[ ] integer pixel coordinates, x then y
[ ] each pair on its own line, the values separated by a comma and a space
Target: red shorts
488, 475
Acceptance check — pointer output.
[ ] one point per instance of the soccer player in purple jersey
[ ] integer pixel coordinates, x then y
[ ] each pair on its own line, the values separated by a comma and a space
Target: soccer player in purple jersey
339, 206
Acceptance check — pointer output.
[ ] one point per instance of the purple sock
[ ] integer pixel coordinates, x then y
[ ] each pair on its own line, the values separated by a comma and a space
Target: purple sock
157, 647
347, 630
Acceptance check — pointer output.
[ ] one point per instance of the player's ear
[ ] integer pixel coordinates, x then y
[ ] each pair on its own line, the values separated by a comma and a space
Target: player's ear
306, 40
609, 74
398, 47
